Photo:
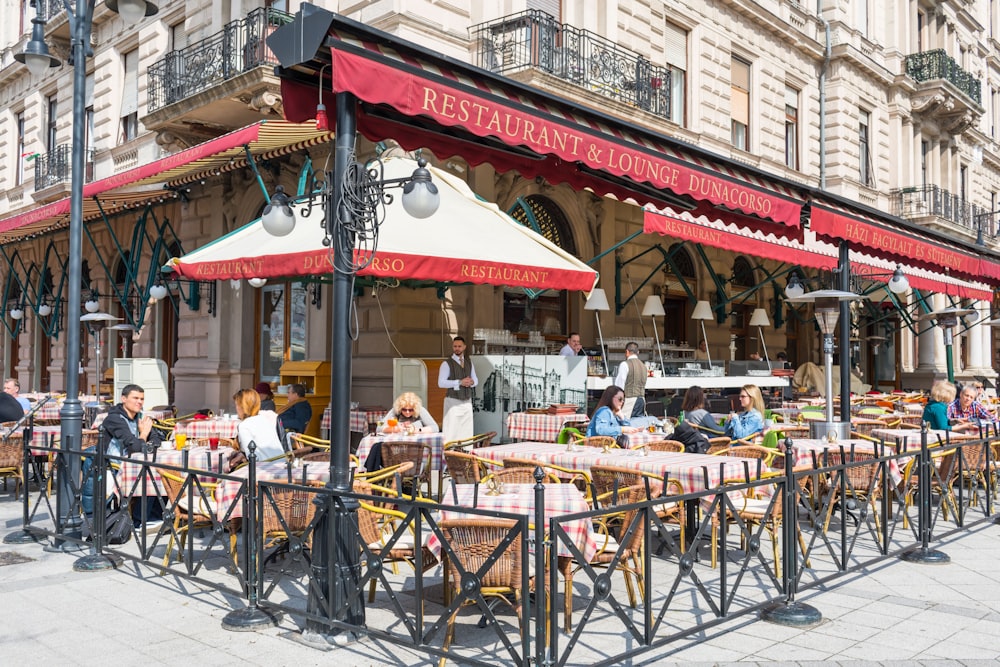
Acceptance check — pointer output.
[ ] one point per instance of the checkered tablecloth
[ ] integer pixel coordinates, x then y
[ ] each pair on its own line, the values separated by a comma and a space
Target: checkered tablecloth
560, 499
360, 419
691, 470
435, 440
202, 428
805, 448
542, 428
198, 458
912, 435
302, 472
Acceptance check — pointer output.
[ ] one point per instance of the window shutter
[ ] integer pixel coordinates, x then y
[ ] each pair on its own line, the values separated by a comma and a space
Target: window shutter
88, 95
551, 7
130, 93
675, 46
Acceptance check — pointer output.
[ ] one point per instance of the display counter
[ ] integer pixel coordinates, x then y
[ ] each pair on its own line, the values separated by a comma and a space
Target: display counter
703, 381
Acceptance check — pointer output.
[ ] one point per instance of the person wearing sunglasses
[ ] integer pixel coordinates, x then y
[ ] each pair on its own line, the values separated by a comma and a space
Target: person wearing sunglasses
410, 415
608, 418
750, 418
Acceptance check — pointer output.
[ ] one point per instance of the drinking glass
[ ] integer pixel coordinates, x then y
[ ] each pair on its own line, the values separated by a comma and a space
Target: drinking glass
180, 439
213, 441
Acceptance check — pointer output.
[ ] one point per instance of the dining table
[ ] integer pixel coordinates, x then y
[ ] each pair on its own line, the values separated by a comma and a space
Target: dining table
196, 429
435, 440
362, 420
542, 427
283, 471
911, 435
808, 452
191, 458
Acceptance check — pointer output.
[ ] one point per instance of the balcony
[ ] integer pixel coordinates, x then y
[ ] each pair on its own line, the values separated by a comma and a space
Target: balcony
945, 91
49, 8
55, 167
932, 206
214, 81
533, 40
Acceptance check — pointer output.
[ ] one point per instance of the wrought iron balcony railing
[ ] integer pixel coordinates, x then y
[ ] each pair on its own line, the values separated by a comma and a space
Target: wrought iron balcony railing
55, 167
931, 200
534, 39
936, 64
50, 8
238, 48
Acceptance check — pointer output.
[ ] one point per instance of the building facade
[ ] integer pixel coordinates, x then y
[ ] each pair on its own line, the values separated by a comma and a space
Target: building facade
892, 105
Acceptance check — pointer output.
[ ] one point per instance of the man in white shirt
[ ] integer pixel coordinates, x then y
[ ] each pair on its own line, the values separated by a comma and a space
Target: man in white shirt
573, 345
631, 377
13, 387
458, 376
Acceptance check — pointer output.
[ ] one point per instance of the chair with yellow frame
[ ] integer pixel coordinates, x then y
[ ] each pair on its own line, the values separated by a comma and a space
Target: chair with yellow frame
463, 446
302, 444
600, 441
192, 505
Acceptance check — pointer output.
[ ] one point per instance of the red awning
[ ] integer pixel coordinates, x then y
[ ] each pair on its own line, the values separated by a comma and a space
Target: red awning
149, 182
551, 139
808, 252
868, 235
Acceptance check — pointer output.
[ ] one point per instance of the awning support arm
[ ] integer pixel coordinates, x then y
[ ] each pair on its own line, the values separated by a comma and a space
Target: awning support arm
253, 167
667, 260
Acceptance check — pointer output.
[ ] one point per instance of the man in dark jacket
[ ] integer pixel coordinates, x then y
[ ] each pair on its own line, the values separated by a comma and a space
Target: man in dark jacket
10, 409
297, 413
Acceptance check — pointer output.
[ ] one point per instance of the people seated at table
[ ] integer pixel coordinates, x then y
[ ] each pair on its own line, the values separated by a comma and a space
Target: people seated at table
13, 387
297, 412
608, 418
408, 415
968, 412
750, 419
266, 396
573, 346
693, 409
257, 426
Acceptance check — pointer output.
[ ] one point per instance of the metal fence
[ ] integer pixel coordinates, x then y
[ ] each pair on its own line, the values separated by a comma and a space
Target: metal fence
56, 166
534, 39
926, 200
238, 48
936, 64
748, 546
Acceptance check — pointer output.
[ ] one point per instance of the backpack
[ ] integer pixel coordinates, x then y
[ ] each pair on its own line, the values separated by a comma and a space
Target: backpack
694, 441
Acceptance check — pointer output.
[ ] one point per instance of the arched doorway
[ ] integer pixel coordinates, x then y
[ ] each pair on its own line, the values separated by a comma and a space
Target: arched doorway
677, 324
743, 279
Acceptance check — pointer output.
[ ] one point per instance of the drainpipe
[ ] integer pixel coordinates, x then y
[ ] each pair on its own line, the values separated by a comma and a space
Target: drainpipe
822, 95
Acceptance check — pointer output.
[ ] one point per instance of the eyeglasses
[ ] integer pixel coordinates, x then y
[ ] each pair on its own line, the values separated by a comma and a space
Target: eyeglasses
406, 409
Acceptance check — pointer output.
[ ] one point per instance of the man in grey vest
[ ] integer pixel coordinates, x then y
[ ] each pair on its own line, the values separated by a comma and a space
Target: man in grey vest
458, 377
631, 376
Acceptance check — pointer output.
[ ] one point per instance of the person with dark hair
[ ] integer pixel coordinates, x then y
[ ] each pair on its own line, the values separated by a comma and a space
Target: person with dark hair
608, 418
457, 376
694, 410
296, 414
573, 346
631, 377
263, 390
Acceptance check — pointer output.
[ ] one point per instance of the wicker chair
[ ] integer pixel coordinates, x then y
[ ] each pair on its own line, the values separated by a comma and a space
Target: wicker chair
612, 482
419, 454
663, 446
303, 444
602, 441
520, 475
288, 515
465, 468
579, 478
463, 446
765, 454
12, 462
473, 542
186, 517
862, 482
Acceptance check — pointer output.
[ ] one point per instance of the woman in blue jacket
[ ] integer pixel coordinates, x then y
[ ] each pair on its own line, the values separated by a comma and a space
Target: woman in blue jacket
750, 419
607, 418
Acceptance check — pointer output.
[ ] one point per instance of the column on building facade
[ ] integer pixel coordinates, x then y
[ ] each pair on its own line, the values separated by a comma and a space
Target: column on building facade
975, 342
930, 345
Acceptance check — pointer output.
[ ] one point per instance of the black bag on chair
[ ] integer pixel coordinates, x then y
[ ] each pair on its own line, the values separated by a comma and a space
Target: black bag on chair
694, 441
117, 525
622, 440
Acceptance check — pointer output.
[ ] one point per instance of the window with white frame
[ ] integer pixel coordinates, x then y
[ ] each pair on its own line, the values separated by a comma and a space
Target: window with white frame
865, 174
19, 154
675, 57
791, 127
130, 97
740, 104
51, 122
861, 14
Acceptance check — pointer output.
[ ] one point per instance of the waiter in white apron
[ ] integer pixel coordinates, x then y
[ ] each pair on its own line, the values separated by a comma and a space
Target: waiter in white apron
458, 377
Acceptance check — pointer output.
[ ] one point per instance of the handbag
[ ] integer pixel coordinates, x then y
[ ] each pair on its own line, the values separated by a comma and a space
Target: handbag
117, 525
622, 440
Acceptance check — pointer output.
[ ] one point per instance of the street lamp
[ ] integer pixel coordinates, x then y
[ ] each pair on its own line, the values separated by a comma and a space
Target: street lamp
653, 308
598, 301
353, 197
827, 307
95, 323
71, 414
947, 319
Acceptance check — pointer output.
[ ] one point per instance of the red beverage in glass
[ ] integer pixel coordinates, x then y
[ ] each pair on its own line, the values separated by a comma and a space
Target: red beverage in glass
213, 442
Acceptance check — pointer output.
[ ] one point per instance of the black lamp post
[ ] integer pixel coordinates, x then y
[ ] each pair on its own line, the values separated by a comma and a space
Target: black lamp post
37, 58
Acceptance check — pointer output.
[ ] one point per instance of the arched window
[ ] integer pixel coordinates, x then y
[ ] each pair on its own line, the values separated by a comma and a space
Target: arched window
548, 312
743, 273
677, 324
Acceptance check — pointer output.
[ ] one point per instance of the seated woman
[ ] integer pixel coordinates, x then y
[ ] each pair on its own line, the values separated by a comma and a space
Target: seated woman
257, 426
607, 418
694, 410
936, 410
297, 413
411, 416
266, 396
750, 419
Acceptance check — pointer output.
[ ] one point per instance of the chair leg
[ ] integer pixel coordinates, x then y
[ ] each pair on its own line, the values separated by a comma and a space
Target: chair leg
449, 635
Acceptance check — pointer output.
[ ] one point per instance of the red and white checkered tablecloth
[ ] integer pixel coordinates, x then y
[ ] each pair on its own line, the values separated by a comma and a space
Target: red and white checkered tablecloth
360, 419
435, 440
912, 435
805, 448
539, 427
302, 472
198, 458
49, 411
560, 499
691, 470
202, 428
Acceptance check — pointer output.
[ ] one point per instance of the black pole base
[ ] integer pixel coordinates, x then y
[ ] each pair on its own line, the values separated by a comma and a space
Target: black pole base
249, 619
793, 614
60, 546
996, 520
326, 642
96, 563
21, 537
926, 556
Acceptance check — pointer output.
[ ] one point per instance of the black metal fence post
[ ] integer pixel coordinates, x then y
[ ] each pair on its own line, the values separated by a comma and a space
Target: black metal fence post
97, 560
790, 611
923, 553
25, 535
541, 617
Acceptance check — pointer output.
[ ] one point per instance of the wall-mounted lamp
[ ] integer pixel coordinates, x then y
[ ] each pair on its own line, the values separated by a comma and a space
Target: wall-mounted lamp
158, 291
257, 282
795, 288
17, 312
278, 218
44, 310
92, 305
597, 302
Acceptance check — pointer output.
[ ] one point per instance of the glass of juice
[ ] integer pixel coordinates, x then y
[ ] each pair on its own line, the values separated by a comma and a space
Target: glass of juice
213, 441
180, 439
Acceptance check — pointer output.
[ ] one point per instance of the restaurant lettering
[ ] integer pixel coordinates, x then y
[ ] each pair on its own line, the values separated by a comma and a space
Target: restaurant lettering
237, 267
512, 275
607, 155
688, 232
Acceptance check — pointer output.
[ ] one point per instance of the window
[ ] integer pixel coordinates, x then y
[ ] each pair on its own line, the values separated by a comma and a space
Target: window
282, 327
676, 62
861, 11
51, 119
19, 154
865, 174
963, 182
740, 104
921, 22
791, 127
925, 149
88, 128
130, 97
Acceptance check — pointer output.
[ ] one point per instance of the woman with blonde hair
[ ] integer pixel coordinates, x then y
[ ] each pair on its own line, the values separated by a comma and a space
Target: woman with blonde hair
936, 409
410, 415
750, 419
257, 426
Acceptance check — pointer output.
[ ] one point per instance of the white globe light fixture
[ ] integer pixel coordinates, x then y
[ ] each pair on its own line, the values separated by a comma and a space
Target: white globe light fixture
794, 289
898, 283
92, 305
132, 11
158, 291
16, 313
45, 310
278, 217
420, 196
257, 282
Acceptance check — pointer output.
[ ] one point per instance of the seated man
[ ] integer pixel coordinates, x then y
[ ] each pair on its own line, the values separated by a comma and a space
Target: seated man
966, 409
13, 387
297, 413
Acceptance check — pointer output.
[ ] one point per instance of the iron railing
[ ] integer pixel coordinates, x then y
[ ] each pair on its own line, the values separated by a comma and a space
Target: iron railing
534, 39
49, 8
56, 166
815, 519
936, 64
237, 48
925, 200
